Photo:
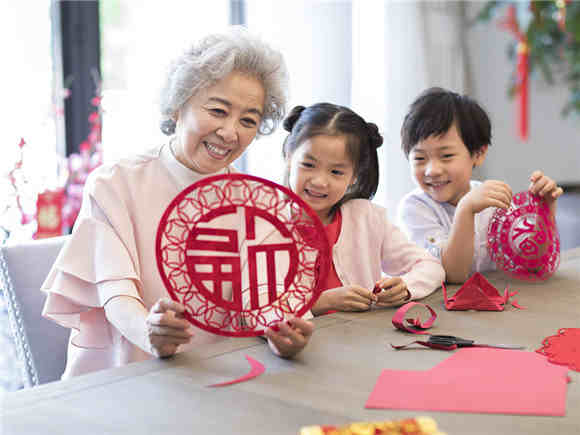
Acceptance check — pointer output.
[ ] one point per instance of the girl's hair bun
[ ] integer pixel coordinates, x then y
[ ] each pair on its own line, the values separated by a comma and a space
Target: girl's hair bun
292, 118
375, 138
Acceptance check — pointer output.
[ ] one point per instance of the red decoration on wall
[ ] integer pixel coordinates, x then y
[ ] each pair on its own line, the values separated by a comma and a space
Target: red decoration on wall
241, 253
510, 23
49, 206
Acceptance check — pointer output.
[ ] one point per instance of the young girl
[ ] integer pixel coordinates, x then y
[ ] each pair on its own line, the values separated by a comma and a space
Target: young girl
332, 164
444, 136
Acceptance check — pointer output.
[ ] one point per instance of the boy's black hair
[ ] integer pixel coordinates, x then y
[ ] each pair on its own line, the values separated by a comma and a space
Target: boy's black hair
363, 139
435, 110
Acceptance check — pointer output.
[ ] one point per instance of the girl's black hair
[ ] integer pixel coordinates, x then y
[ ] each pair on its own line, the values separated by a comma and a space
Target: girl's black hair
436, 110
362, 140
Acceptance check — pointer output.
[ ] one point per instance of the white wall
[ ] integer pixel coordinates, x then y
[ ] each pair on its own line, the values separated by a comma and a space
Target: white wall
554, 142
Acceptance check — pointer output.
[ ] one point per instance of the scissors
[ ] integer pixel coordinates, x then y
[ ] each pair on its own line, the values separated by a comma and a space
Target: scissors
450, 342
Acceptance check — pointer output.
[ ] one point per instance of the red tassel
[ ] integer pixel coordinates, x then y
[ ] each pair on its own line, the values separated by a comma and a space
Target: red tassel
523, 73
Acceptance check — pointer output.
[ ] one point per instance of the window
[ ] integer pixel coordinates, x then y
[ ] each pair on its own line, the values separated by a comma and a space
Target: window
139, 39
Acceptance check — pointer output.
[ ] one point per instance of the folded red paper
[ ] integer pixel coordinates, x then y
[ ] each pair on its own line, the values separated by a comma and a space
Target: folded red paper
478, 380
477, 294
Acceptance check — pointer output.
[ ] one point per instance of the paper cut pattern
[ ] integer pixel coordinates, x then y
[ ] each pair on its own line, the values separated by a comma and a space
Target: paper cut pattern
563, 348
417, 326
241, 253
477, 293
477, 380
523, 240
257, 368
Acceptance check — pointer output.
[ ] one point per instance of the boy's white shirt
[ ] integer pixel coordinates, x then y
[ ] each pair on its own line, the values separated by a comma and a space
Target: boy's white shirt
428, 223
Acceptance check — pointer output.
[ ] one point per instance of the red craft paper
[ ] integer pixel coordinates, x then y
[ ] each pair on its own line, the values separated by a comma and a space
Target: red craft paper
241, 253
476, 294
563, 348
257, 368
477, 380
399, 319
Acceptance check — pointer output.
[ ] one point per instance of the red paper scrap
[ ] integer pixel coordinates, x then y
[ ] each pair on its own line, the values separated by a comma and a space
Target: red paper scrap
563, 348
399, 319
257, 368
477, 294
477, 380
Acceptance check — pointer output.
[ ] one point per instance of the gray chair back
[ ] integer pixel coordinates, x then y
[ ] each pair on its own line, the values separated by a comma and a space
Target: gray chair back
40, 343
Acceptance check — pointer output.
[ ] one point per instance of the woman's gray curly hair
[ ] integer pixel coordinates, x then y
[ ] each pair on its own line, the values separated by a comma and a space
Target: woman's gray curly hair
215, 56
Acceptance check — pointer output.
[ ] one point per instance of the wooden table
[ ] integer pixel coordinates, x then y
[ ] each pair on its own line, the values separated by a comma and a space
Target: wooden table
328, 383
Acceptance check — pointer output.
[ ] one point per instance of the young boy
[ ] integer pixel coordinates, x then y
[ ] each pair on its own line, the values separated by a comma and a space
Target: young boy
444, 136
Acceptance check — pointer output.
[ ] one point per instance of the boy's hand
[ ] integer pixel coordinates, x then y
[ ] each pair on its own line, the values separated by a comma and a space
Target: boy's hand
393, 292
545, 187
491, 193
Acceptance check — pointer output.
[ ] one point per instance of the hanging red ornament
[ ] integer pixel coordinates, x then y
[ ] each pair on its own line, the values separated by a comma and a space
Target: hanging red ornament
523, 91
510, 23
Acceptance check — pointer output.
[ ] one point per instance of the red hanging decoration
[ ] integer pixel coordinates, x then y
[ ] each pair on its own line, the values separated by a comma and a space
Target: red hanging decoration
49, 206
510, 23
523, 74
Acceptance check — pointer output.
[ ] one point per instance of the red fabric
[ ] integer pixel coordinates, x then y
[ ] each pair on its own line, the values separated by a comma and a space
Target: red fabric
332, 232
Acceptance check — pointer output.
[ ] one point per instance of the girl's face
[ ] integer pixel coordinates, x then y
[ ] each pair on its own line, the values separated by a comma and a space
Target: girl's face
217, 124
442, 166
321, 172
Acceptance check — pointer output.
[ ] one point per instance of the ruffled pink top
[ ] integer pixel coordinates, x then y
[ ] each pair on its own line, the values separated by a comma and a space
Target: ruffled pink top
112, 253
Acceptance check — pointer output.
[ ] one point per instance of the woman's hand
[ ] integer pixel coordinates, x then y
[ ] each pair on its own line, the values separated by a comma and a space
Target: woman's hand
491, 193
393, 292
289, 337
166, 327
347, 298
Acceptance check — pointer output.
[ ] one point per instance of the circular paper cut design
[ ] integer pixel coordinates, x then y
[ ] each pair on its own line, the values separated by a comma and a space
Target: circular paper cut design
241, 253
523, 240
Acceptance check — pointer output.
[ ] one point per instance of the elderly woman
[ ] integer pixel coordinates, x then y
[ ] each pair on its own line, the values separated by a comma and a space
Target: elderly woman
218, 96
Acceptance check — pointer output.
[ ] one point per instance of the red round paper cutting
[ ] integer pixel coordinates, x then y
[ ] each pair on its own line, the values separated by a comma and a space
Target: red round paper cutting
241, 253
563, 348
523, 240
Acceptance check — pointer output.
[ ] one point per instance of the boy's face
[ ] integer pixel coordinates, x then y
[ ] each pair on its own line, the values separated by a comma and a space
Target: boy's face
442, 166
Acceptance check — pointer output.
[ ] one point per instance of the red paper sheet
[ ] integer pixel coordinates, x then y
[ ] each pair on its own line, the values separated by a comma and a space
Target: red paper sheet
477, 380
256, 370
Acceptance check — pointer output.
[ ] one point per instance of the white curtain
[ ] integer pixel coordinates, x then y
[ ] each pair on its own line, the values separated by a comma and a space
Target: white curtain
402, 48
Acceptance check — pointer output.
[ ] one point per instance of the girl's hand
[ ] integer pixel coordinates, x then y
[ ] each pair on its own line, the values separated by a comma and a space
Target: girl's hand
166, 327
393, 292
491, 193
347, 298
545, 187
288, 338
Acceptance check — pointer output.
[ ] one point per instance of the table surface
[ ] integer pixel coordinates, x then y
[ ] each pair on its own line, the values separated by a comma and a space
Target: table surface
328, 383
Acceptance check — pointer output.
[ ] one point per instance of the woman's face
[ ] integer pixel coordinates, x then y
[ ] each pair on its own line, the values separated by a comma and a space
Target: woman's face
216, 125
